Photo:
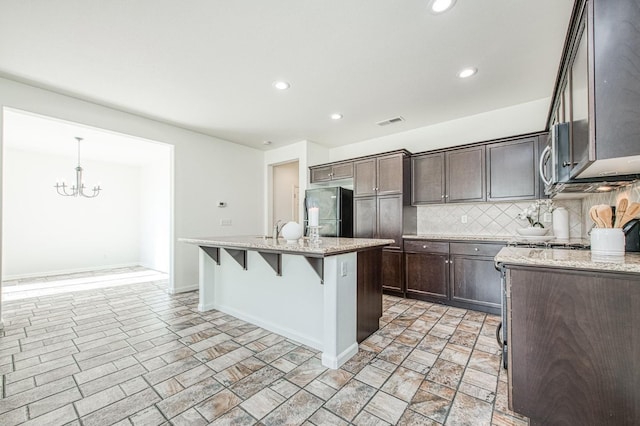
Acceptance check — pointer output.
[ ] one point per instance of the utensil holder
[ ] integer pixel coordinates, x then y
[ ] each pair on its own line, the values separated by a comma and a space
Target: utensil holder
607, 241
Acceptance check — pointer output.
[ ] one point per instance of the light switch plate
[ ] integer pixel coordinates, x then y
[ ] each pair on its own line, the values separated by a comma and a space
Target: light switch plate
547, 218
343, 269
463, 218
225, 222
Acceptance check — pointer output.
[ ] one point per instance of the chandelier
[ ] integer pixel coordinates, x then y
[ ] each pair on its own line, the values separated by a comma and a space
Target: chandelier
78, 188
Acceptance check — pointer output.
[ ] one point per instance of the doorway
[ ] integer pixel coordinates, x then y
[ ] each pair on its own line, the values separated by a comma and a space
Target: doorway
127, 224
286, 192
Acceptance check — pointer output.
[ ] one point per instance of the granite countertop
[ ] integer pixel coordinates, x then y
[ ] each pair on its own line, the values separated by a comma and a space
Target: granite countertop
505, 239
568, 259
451, 237
328, 245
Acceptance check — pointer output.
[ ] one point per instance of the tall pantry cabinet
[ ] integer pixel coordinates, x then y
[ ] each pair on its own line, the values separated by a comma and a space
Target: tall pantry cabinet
382, 209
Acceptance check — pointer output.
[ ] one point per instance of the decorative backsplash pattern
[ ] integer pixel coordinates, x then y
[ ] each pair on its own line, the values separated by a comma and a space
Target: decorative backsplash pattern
490, 219
631, 192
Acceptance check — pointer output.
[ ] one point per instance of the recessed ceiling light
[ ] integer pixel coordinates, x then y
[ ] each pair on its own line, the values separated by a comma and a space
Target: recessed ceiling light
281, 85
336, 116
440, 6
467, 72
266, 143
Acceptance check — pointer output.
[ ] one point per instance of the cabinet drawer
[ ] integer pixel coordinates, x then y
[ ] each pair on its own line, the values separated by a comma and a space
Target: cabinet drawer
423, 246
476, 249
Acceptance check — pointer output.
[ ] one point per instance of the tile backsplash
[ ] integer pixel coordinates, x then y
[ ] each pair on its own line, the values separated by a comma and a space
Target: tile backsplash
490, 219
632, 192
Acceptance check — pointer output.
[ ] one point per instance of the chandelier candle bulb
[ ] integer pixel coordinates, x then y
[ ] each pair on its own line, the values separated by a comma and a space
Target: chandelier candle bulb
313, 216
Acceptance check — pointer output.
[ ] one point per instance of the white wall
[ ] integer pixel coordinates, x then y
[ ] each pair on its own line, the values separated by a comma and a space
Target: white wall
155, 214
205, 170
45, 233
515, 120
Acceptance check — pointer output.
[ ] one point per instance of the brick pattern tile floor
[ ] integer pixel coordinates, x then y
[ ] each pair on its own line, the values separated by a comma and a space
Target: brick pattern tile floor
135, 355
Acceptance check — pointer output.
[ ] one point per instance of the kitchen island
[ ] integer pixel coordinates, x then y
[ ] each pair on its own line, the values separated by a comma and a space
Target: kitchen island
572, 336
326, 295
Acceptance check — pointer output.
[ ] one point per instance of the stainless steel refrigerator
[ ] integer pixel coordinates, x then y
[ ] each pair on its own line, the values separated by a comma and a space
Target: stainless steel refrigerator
335, 211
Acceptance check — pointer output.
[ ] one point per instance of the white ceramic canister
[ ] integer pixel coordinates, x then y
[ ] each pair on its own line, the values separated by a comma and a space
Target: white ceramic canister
561, 223
607, 241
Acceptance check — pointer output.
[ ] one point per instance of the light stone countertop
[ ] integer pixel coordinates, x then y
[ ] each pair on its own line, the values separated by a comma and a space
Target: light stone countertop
505, 239
452, 237
328, 245
568, 259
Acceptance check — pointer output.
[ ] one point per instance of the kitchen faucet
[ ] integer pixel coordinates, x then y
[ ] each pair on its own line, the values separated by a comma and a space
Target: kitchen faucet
277, 227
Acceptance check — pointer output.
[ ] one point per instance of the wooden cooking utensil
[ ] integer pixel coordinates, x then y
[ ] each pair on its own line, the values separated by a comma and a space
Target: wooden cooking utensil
620, 210
593, 214
605, 214
632, 212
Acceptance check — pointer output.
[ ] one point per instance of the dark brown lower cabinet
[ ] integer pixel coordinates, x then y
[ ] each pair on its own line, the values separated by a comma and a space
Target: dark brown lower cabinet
574, 346
369, 292
392, 281
427, 275
453, 273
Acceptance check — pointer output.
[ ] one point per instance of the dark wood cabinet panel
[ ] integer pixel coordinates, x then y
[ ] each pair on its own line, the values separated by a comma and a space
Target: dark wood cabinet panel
465, 171
454, 273
573, 346
390, 218
364, 177
389, 174
365, 217
329, 172
512, 170
427, 274
392, 270
475, 280
342, 171
369, 292
320, 174
427, 179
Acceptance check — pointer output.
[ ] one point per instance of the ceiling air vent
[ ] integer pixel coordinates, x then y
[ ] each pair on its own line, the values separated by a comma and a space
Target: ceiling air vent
390, 121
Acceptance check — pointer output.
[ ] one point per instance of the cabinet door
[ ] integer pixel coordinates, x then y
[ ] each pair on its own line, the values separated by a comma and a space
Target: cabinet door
320, 174
390, 218
579, 87
512, 170
427, 274
465, 175
389, 170
427, 179
364, 178
364, 217
392, 270
342, 171
582, 322
475, 280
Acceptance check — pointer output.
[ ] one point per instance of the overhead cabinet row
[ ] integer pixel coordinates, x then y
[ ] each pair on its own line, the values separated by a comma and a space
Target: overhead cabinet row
492, 172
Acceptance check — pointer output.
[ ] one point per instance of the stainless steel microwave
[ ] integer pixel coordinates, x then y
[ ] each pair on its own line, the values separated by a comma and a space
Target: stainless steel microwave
555, 168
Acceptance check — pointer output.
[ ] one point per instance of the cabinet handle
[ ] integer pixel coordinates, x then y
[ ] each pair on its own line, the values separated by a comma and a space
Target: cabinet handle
568, 164
442, 196
424, 247
476, 249
446, 196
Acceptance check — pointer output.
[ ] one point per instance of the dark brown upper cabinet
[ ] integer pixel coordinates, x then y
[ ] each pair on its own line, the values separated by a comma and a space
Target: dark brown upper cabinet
427, 179
597, 88
329, 172
512, 170
378, 176
448, 177
465, 169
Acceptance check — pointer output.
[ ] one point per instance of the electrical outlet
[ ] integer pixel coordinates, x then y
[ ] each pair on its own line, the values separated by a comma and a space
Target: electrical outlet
225, 222
547, 218
463, 218
343, 269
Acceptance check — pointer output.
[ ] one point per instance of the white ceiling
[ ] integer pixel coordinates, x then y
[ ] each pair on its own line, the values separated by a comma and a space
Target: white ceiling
208, 65
29, 132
